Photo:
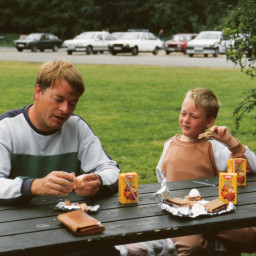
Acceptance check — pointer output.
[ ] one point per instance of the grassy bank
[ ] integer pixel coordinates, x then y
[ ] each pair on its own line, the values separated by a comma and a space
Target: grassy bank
134, 109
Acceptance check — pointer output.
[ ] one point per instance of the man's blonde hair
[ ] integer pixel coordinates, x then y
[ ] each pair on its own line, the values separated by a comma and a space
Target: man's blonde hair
51, 72
206, 100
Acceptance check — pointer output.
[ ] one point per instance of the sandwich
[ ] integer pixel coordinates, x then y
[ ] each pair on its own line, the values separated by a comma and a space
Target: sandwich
79, 181
194, 195
176, 201
205, 135
215, 205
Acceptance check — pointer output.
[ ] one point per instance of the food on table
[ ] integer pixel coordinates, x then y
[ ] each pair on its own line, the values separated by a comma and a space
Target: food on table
215, 205
194, 195
197, 208
67, 202
84, 206
176, 201
205, 135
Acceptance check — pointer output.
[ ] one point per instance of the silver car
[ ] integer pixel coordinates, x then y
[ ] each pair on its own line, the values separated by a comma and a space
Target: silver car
89, 42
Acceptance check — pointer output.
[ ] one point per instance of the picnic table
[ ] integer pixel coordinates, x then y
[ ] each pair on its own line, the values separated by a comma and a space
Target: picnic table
33, 229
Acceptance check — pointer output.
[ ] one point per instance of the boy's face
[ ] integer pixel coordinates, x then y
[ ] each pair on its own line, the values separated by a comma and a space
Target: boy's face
193, 120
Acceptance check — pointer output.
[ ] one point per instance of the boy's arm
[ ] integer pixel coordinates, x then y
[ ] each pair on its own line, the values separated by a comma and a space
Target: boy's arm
159, 172
235, 147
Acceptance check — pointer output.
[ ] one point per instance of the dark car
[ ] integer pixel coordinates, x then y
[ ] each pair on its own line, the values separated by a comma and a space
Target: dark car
178, 42
38, 41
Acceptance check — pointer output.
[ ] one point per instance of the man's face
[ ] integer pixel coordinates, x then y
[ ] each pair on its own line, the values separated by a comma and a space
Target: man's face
193, 120
53, 106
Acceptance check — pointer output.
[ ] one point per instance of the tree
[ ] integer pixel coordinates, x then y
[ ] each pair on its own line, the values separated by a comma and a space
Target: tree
240, 27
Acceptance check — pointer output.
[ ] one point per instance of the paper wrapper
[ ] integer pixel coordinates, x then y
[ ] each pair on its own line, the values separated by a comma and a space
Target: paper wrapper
197, 210
62, 206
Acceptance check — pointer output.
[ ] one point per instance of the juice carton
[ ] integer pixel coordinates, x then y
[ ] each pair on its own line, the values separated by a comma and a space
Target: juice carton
228, 187
128, 188
238, 165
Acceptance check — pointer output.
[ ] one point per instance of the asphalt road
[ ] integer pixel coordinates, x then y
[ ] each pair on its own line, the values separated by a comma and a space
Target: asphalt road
174, 59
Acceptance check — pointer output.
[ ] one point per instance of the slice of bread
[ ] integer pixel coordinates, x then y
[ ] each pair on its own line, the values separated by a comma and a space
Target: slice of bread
215, 205
176, 201
205, 135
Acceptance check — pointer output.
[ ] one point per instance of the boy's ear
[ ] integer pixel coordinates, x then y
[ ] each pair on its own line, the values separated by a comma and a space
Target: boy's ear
210, 122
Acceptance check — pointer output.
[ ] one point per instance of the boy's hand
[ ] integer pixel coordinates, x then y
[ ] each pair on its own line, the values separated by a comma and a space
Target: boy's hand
223, 134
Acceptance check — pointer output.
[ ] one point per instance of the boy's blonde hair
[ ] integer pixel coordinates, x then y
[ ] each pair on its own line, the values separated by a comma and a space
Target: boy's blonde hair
51, 72
206, 100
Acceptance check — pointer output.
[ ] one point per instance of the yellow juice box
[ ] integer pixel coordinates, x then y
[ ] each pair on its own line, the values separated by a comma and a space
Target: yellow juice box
228, 187
128, 188
238, 166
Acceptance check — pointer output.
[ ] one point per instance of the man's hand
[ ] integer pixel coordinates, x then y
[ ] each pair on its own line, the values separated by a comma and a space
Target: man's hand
56, 183
90, 185
223, 134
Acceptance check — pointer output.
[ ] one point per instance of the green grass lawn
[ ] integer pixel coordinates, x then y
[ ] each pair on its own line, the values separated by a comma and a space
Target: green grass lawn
134, 109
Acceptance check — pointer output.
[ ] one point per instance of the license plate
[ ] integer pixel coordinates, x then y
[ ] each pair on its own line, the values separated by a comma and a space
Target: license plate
20, 44
198, 48
117, 48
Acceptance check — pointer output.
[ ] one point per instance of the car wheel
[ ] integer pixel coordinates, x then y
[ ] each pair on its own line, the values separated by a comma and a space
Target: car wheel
190, 55
112, 52
55, 48
19, 49
135, 50
216, 53
41, 50
155, 52
89, 49
69, 52
34, 49
167, 52
101, 52
205, 55
94, 52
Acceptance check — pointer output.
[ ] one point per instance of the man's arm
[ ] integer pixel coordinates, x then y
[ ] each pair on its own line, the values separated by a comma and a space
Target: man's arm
94, 160
12, 191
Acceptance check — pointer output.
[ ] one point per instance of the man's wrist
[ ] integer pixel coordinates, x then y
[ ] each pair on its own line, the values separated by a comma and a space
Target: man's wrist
34, 187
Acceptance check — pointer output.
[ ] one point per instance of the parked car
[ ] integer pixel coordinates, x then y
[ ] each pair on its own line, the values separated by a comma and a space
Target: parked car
89, 42
178, 42
207, 42
23, 37
135, 42
41, 41
117, 35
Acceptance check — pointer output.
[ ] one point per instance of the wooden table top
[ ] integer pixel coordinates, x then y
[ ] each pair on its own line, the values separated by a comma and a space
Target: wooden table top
34, 229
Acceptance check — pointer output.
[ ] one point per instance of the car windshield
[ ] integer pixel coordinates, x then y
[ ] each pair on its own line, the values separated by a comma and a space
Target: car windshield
184, 38
86, 35
33, 37
132, 36
208, 36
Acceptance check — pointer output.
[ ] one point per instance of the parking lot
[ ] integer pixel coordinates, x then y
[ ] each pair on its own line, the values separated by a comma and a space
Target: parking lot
161, 59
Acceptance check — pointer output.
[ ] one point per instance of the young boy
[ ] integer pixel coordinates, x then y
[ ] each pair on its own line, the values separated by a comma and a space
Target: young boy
187, 157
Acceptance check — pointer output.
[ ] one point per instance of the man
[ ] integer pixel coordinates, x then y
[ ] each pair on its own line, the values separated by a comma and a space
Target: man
44, 146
